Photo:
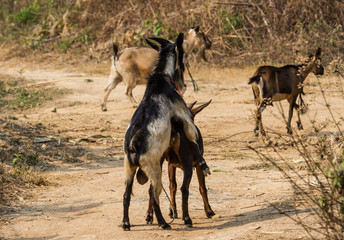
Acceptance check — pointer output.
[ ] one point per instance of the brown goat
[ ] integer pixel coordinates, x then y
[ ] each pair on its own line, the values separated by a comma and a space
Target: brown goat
276, 84
181, 154
134, 65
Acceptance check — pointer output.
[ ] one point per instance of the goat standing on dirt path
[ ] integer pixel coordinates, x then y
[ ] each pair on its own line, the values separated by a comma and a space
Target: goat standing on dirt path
134, 65
148, 135
181, 155
276, 84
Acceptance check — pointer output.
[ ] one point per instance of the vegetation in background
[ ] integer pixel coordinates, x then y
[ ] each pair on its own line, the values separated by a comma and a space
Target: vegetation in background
319, 184
13, 96
254, 32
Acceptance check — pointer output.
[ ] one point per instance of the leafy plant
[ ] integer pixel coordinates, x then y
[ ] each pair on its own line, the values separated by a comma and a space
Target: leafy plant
29, 14
157, 28
65, 44
321, 189
86, 37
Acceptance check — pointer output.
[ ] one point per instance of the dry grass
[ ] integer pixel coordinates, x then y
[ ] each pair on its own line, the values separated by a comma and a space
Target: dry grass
260, 32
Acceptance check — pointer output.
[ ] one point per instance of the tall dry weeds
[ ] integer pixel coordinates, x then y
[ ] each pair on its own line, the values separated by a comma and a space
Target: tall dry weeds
254, 32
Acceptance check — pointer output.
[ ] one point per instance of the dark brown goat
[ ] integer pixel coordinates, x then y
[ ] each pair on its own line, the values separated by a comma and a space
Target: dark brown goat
276, 84
182, 155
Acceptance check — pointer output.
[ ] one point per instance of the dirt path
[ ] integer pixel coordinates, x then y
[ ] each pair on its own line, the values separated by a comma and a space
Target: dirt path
85, 199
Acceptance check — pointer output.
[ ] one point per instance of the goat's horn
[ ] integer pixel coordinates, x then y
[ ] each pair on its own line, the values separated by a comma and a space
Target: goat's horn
192, 105
162, 41
200, 108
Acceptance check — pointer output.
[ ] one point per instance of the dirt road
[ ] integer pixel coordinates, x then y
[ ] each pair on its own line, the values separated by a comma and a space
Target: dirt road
84, 199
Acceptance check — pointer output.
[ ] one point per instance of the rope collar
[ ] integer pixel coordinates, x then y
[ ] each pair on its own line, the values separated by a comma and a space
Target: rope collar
170, 79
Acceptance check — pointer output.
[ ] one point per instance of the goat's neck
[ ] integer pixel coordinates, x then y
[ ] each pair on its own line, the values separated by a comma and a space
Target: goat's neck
169, 67
191, 39
304, 73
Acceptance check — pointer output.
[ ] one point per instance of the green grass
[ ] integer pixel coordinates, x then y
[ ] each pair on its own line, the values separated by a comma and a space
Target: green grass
13, 96
219, 170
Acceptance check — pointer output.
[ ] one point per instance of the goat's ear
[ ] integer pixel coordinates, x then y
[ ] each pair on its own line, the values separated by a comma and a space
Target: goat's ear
153, 45
180, 40
200, 108
318, 53
162, 41
197, 29
191, 105
114, 49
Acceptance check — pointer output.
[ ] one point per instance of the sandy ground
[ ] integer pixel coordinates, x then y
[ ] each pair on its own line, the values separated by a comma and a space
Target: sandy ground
84, 200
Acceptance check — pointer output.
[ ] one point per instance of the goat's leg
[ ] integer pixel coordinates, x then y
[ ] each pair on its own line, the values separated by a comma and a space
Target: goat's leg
185, 194
259, 124
173, 190
187, 159
258, 119
111, 85
129, 93
130, 173
290, 116
149, 216
161, 221
298, 109
200, 159
203, 190
154, 173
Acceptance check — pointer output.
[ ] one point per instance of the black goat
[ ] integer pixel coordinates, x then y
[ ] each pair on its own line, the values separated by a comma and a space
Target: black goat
182, 155
148, 135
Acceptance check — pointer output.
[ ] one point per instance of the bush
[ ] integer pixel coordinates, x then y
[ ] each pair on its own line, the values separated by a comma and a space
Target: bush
28, 14
319, 189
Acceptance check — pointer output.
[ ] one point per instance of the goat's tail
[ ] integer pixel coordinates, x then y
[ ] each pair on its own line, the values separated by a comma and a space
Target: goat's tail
255, 79
257, 75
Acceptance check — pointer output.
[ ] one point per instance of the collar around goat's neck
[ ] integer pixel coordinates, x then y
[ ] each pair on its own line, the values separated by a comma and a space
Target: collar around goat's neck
171, 80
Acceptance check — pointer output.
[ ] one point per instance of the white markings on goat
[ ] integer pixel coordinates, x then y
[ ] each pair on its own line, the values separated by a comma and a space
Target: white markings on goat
170, 67
261, 86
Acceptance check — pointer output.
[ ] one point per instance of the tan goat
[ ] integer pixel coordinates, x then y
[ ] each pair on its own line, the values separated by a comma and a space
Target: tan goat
134, 65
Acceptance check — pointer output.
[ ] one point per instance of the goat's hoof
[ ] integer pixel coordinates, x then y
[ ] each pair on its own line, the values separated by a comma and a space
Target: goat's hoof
206, 171
188, 222
173, 214
149, 218
210, 213
104, 109
165, 226
205, 168
126, 226
299, 125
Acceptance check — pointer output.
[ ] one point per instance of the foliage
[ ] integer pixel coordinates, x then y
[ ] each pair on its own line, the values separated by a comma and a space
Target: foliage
28, 15
320, 190
14, 97
240, 33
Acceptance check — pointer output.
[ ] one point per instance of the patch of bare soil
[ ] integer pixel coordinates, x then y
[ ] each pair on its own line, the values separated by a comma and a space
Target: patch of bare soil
84, 163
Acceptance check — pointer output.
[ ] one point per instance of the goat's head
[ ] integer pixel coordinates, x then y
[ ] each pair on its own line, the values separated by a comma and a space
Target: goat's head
175, 53
314, 62
201, 41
